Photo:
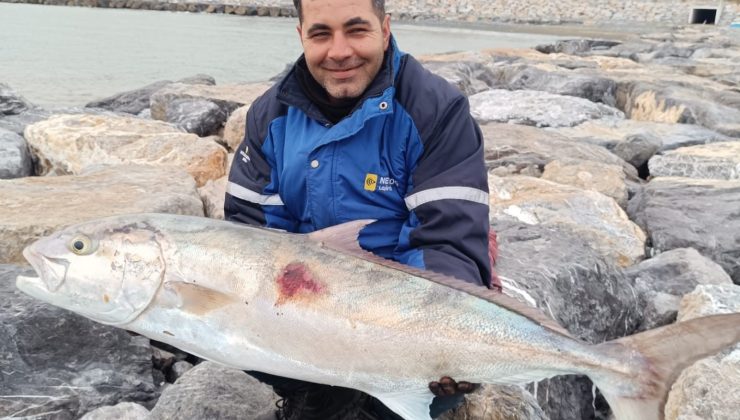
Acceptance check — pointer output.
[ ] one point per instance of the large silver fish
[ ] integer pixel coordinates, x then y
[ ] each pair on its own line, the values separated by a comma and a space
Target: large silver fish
316, 307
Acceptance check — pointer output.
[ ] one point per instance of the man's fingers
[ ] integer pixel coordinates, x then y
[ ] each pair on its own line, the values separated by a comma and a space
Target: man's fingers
435, 388
466, 387
449, 386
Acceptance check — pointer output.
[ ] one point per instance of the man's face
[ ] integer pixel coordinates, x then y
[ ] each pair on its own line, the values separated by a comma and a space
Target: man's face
344, 42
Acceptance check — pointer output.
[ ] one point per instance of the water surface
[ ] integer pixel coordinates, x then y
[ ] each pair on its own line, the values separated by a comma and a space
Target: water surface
57, 56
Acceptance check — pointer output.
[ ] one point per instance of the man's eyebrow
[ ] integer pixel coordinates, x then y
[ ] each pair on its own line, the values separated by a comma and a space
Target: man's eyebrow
318, 27
356, 21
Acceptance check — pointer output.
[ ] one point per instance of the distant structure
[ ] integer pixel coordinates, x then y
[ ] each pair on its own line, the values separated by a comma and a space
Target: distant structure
675, 12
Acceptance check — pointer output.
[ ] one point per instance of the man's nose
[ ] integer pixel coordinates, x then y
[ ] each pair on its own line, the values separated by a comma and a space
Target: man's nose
340, 48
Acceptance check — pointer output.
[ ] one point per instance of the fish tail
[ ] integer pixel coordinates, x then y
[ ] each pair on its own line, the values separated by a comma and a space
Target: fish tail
665, 352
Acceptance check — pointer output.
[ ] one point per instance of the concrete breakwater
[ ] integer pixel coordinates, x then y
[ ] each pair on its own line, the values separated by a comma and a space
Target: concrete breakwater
673, 12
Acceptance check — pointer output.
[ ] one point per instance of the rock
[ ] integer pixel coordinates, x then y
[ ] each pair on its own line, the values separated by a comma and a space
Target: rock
597, 219
511, 148
213, 195
37, 206
68, 144
588, 175
210, 390
667, 101
576, 46
491, 402
226, 97
137, 100
178, 369
637, 141
15, 161
236, 128
197, 116
708, 388
121, 411
470, 77
713, 161
593, 87
664, 279
10, 102
692, 213
541, 109
18, 123
552, 267
56, 364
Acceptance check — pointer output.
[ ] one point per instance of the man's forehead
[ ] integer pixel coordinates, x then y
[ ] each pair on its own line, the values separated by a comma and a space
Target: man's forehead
336, 9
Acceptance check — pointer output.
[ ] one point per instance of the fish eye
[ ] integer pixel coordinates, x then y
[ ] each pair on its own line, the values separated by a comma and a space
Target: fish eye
81, 245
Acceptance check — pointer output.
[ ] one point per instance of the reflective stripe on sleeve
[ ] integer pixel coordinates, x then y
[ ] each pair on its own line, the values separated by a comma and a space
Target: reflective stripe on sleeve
238, 191
446, 193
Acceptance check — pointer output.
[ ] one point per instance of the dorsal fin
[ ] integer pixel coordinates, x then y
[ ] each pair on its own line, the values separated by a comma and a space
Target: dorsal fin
343, 238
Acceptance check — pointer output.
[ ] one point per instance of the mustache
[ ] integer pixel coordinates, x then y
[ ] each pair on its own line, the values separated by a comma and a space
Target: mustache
348, 64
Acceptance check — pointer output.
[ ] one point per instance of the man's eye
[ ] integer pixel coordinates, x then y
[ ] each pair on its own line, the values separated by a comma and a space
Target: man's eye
319, 35
358, 31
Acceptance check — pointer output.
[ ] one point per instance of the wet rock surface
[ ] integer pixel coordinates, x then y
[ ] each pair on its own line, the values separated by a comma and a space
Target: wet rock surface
58, 364
15, 160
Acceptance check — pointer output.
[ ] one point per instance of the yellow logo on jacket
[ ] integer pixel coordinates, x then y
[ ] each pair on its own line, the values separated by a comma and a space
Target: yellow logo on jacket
371, 182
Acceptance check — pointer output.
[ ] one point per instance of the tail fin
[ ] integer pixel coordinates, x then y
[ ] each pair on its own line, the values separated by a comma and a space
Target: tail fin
668, 350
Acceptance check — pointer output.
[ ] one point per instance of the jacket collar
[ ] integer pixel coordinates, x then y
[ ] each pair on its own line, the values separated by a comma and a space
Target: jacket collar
291, 93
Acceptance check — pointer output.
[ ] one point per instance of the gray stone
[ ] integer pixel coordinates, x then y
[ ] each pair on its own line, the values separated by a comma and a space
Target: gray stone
594, 176
210, 390
137, 100
712, 161
15, 161
576, 46
511, 149
579, 288
541, 109
56, 364
178, 369
122, 411
18, 123
663, 280
470, 77
492, 402
593, 87
198, 116
692, 213
10, 102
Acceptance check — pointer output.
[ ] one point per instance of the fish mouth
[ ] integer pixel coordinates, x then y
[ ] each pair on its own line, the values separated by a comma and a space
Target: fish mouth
52, 271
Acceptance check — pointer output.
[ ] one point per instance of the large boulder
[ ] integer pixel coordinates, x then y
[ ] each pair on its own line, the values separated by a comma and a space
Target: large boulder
663, 280
37, 206
470, 77
588, 175
708, 388
713, 161
210, 390
18, 123
137, 100
555, 268
541, 109
168, 104
552, 79
511, 148
68, 144
15, 161
10, 102
596, 218
692, 213
122, 411
637, 141
57, 364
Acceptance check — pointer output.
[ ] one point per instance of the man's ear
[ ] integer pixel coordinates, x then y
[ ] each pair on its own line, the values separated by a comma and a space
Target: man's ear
386, 27
300, 33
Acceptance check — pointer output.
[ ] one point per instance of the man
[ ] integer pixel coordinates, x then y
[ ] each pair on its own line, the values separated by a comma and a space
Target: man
359, 130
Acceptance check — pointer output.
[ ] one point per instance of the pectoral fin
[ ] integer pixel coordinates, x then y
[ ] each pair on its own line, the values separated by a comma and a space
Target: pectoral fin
411, 405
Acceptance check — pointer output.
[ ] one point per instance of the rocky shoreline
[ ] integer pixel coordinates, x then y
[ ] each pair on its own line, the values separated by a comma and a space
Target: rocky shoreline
614, 171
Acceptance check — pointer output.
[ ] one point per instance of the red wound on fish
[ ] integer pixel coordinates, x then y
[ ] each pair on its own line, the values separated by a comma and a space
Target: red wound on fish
295, 280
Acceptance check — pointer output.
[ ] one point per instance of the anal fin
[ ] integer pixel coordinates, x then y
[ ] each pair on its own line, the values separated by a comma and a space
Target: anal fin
411, 405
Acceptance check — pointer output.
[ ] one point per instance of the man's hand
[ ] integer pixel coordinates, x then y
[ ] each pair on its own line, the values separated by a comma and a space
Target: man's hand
447, 386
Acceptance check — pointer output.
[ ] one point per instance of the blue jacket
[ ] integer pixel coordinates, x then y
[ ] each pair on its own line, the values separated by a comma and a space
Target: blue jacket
409, 155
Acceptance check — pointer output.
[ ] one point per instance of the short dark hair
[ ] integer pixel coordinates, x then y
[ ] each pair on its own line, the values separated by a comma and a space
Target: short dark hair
378, 6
